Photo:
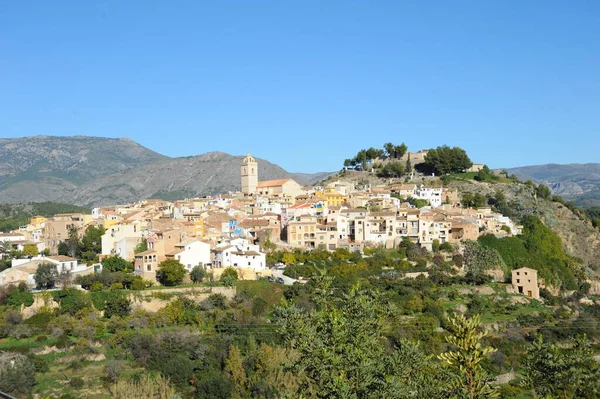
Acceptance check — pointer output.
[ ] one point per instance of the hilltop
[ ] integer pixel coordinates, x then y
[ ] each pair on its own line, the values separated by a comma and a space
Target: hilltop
92, 171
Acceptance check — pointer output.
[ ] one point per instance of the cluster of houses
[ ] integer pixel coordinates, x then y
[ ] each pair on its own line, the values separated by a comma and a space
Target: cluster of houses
230, 230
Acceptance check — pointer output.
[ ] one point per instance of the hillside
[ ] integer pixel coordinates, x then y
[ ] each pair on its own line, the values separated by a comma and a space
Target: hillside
576, 182
42, 168
207, 174
94, 170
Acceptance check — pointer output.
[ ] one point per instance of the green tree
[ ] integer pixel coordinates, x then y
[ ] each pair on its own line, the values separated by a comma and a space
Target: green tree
117, 305
288, 258
115, 264
469, 379
229, 276
141, 246
566, 371
408, 167
198, 274
17, 373
170, 272
234, 369
478, 259
30, 250
73, 243
341, 346
444, 159
46, 275
543, 191
92, 239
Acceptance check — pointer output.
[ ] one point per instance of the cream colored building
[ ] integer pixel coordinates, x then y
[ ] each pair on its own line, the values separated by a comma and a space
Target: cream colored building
525, 282
249, 171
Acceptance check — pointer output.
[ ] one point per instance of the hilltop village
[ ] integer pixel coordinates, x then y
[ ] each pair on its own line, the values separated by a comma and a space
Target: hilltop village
231, 230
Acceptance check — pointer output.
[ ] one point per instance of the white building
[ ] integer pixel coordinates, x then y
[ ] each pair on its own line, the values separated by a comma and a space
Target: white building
240, 254
191, 253
431, 194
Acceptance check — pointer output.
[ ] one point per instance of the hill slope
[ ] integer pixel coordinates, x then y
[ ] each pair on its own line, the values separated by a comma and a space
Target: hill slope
207, 174
41, 168
578, 182
95, 170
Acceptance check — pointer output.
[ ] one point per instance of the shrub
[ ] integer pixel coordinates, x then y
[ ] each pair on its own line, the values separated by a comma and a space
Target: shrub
17, 373
112, 371
77, 382
117, 306
229, 276
170, 272
18, 298
96, 286
198, 274
40, 364
46, 275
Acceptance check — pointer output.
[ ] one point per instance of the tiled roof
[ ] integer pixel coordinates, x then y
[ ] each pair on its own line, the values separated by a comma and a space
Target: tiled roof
273, 183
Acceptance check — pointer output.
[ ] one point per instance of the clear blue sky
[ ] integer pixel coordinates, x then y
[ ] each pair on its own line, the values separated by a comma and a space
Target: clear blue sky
306, 84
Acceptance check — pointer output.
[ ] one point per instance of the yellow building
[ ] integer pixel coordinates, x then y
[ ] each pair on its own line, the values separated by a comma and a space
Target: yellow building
37, 220
332, 196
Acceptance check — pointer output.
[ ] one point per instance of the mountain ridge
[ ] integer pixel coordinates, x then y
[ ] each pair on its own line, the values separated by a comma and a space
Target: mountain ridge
579, 182
89, 171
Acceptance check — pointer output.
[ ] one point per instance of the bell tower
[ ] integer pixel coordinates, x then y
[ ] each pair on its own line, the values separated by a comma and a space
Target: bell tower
249, 175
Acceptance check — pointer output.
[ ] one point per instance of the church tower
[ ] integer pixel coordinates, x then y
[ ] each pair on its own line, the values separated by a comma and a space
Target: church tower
249, 175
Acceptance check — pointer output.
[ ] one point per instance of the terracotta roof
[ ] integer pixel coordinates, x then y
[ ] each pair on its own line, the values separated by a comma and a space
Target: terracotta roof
273, 183
174, 252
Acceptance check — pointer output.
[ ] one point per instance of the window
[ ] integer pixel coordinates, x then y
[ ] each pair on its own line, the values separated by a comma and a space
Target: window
248, 263
518, 281
149, 268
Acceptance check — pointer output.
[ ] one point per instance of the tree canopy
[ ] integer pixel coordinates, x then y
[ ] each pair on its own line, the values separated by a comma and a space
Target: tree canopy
170, 272
443, 160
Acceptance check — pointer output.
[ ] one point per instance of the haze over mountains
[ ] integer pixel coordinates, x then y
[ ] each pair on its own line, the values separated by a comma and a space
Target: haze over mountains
94, 171
576, 182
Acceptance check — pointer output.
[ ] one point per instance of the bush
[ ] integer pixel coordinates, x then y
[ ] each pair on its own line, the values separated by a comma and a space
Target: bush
117, 306
115, 264
77, 382
170, 272
112, 371
46, 275
17, 373
96, 286
41, 338
72, 301
41, 365
198, 274
229, 277
18, 298
63, 342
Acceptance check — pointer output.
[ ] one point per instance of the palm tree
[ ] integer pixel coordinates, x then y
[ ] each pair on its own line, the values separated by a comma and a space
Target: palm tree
6, 247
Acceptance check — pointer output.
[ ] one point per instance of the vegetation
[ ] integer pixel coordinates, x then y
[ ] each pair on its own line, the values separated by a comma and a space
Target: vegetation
46, 275
443, 160
170, 272
390, 151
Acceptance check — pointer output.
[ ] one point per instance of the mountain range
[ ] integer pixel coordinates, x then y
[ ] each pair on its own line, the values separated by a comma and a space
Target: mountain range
575, 182
92, 171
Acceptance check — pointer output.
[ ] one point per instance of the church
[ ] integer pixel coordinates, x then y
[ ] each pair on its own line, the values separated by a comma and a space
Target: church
251, 186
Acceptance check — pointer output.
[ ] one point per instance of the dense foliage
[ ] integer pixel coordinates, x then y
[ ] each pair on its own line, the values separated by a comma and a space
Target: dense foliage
443, 160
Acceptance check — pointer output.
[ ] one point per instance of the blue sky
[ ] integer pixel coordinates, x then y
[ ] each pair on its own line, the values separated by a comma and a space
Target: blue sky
306, 84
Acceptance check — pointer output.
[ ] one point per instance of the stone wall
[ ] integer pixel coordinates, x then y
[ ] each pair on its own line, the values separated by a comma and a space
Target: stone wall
143, 300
